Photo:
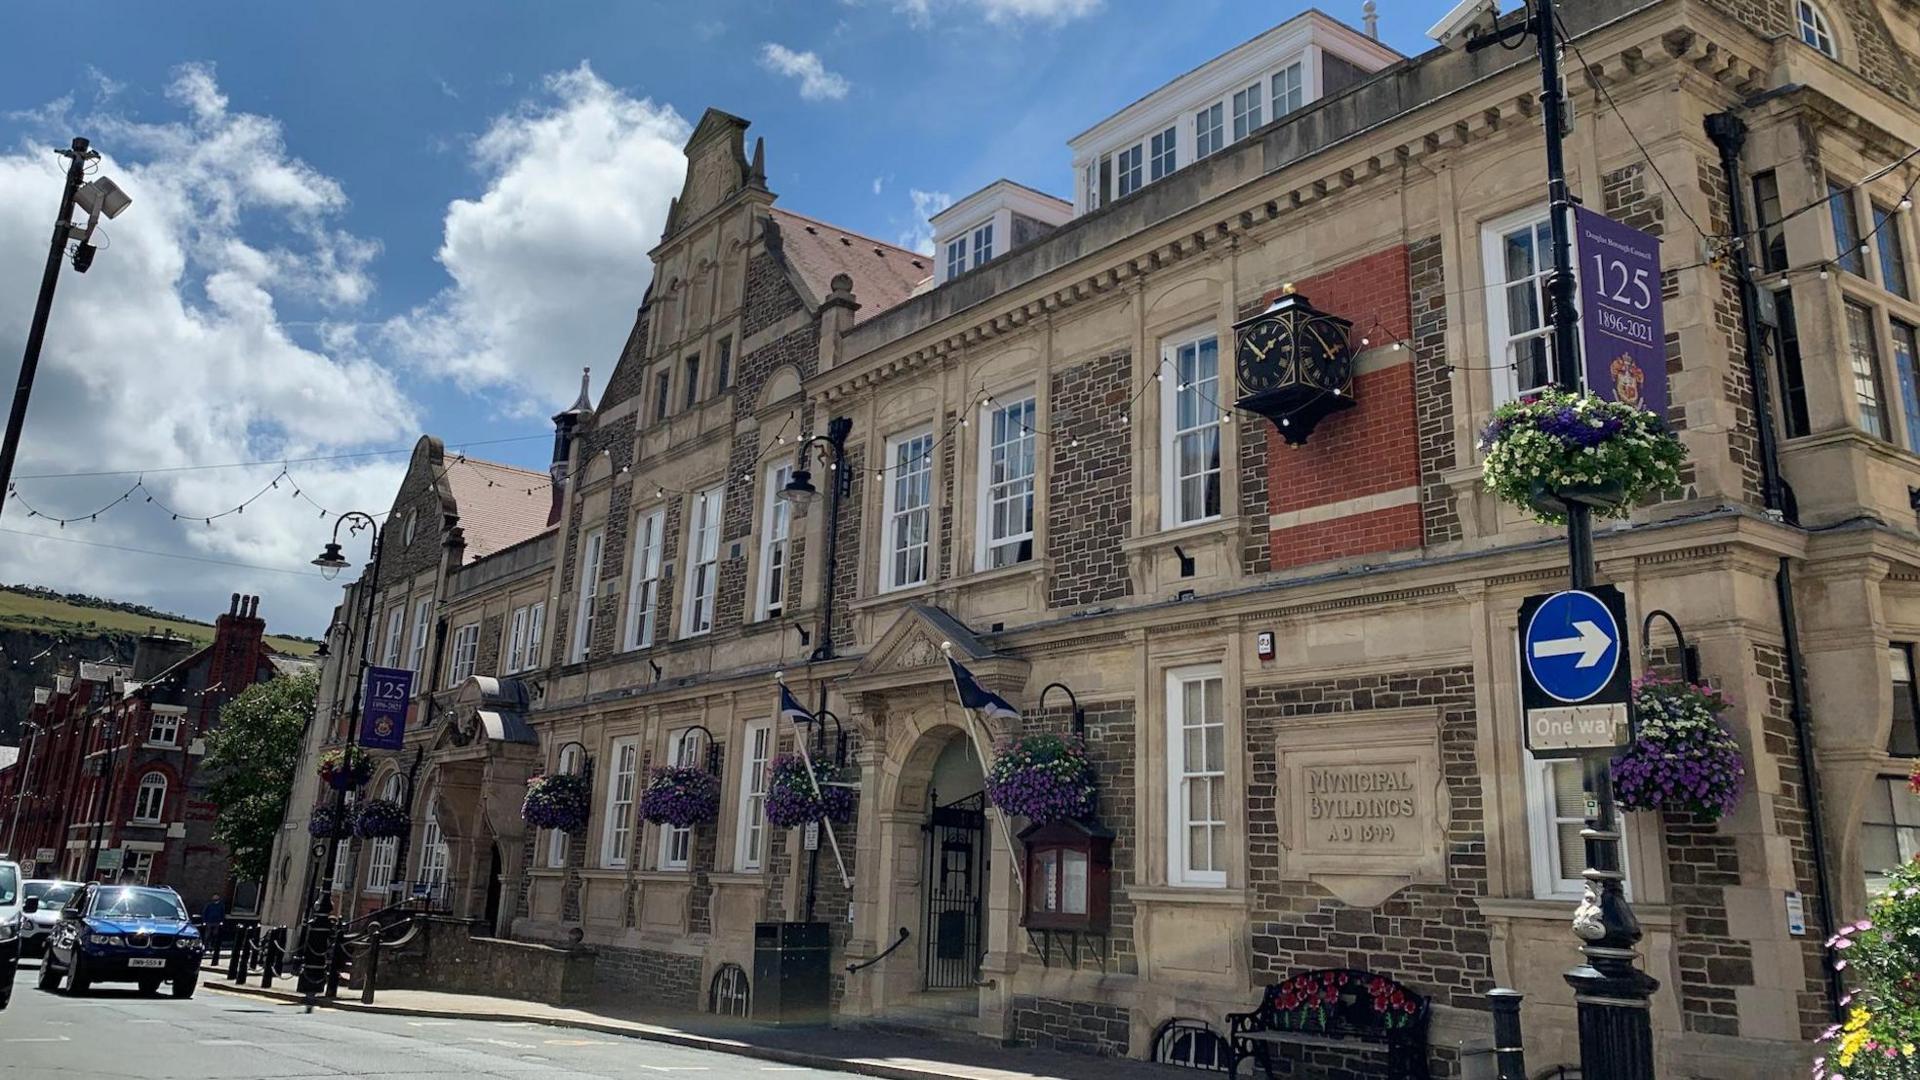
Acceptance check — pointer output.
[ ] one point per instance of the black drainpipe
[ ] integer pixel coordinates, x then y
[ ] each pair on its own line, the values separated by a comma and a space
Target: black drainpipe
1729, 134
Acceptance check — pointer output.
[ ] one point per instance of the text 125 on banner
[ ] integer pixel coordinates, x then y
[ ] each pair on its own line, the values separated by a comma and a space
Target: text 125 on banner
383, 709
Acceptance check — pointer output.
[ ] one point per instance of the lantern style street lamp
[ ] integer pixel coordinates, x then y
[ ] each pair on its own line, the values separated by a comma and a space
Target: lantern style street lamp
318, 942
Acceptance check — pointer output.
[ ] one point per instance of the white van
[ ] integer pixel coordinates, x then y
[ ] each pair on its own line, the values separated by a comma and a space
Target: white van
11, 897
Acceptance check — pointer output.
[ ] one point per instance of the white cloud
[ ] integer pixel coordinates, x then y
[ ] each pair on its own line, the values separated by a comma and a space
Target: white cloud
816, 82
549, 262
177, 349
919, 237
879, 182
1053, 12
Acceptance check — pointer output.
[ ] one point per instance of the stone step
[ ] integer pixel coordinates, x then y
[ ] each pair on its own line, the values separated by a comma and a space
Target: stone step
934, 1019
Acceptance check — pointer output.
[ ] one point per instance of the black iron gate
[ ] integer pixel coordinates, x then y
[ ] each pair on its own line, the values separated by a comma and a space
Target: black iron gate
955, 884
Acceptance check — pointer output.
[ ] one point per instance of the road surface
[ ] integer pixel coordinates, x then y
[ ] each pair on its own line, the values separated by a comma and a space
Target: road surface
115, 1032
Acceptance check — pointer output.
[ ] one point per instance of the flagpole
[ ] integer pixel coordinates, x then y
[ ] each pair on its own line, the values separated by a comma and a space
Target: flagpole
973, 738
806, 759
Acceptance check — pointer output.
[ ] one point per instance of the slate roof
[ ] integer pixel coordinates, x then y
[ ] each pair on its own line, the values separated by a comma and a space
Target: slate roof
495, 510
883, 274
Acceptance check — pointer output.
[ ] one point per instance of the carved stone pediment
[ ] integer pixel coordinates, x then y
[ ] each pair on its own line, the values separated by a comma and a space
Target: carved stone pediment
910, 654
716, 165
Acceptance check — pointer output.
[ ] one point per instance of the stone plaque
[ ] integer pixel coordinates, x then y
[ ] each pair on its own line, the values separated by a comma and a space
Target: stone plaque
1362, 804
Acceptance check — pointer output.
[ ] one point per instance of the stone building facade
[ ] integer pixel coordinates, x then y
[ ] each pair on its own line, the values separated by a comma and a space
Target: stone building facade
1072, 379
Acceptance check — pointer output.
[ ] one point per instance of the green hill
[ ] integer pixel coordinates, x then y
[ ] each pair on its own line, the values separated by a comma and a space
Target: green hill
75, 615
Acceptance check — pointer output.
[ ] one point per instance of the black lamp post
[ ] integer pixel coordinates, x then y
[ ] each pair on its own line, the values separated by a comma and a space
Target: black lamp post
800, 492
320, 923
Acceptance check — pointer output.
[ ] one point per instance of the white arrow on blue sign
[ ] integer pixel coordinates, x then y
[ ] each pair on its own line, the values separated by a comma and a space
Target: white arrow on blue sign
1572, 646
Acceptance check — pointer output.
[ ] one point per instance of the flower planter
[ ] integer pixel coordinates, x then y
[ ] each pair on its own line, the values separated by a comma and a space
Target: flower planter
559, 801
1558, 449
1044, 778
1682, 759
346, 768
325, 824
1877, 956
681, 796
380, 819
793, 800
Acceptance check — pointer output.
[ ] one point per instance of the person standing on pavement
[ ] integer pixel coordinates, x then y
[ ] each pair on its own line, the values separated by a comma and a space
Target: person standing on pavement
212, 917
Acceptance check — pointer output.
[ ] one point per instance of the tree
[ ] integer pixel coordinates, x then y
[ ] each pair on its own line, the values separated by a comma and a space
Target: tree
253, 754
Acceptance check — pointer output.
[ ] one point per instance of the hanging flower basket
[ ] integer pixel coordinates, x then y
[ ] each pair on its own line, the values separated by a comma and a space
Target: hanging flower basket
1682, 759
380, 819
681, 796
558, 802
1880, 1037
1044, 778
346, 768
326, 824
793, 801
1554, 449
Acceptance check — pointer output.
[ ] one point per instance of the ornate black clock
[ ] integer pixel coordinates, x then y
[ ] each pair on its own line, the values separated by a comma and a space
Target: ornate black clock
1295, 365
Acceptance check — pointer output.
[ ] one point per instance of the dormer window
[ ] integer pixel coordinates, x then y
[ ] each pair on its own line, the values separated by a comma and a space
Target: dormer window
1246, 111
1163, 157
1209, 130
1289, 90
983, 243
1128, 171
956, 257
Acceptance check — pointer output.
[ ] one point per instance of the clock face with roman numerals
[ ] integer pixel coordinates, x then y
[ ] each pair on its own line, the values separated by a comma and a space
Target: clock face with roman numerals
1265, 356
1325, 361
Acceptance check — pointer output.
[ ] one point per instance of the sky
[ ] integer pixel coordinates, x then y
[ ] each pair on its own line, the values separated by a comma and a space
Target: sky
354, 223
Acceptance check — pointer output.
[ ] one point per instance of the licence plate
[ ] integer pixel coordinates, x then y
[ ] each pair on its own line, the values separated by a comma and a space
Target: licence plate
146, 962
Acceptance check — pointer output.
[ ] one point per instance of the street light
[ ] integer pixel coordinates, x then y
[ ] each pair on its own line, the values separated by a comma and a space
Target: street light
318, 942
97, 197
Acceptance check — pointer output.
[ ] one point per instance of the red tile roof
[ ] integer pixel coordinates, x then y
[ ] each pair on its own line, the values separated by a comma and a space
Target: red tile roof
883, 274
495, 508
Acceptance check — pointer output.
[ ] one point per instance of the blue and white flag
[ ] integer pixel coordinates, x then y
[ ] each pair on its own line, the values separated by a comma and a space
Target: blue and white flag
791, 709
979, 698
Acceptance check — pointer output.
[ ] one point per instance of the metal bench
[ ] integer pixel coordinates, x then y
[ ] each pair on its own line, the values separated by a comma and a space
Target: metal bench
1339, 1008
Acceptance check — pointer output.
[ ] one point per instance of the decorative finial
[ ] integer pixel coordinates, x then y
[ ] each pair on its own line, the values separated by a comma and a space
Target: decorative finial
1370, 16
585, 402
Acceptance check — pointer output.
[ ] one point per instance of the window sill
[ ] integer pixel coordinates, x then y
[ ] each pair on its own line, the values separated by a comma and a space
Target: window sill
1202, 530
1560, 910
160, 746
739, 877
669, 877
1209, 895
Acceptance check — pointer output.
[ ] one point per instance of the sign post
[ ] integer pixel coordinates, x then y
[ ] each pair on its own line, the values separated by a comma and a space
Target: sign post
383, 712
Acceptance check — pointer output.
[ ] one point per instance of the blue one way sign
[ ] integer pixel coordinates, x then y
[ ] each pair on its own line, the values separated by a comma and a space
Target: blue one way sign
1572, 646
1574, 674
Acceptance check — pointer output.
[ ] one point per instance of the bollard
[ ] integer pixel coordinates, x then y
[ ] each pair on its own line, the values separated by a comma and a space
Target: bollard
336, 958
270, 959
236, 966
373, 964
1509, 1056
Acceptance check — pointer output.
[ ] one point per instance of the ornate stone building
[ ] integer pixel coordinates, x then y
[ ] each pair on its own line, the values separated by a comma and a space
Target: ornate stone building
1045, 473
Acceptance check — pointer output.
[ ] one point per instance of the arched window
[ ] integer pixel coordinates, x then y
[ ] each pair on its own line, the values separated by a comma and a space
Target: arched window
380, 858
730, 995
1192, 1044
570, 760
433, 855
151, 800
1815, 30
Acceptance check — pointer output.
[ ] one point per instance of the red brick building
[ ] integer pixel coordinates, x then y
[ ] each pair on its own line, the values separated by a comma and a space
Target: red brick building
109, 781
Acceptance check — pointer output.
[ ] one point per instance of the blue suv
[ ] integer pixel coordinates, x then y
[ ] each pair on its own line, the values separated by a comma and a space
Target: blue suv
124, 933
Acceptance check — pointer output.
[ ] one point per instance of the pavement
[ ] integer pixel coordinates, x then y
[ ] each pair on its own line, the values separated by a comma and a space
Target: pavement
114, 1031
830, 1052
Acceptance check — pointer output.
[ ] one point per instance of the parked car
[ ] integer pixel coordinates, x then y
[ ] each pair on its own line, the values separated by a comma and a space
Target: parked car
37, 929
12, 909
123, 933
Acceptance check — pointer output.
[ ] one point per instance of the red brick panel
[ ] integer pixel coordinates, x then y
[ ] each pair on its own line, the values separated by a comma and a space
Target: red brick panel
1396, 528
1366, 450
1370, 448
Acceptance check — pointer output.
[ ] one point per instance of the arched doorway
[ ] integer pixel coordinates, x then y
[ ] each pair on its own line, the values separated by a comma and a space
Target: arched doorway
956, 853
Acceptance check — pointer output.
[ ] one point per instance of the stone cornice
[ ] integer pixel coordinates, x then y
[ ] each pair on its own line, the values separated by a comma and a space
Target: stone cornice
1502, 101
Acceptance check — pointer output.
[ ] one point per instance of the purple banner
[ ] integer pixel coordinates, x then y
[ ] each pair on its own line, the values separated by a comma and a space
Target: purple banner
383, 710
1623, 328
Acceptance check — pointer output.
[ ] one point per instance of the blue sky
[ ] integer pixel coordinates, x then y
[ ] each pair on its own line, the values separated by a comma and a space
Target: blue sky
354, 222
